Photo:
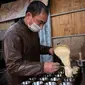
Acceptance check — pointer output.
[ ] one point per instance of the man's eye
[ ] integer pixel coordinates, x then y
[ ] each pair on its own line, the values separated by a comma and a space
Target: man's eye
41, 23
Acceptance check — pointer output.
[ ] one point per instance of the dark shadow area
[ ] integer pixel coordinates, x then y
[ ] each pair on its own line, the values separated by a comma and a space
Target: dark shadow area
3, 72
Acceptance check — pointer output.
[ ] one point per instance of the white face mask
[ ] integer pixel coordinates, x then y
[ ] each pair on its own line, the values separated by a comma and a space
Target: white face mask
34, 27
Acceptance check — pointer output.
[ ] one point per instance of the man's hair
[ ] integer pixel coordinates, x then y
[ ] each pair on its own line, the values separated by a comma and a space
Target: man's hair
36, 7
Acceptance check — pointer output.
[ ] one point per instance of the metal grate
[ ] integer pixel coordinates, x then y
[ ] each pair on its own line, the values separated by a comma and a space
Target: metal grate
57, 78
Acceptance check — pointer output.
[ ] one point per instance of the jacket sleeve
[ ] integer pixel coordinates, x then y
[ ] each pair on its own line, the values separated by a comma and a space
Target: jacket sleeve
14, 61
44, 49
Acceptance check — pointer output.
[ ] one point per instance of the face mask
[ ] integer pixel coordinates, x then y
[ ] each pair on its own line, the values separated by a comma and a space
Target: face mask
34, 27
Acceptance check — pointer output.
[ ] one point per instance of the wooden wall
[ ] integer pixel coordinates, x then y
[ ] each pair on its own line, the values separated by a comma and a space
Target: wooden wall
75, 43
67, 24
58, 6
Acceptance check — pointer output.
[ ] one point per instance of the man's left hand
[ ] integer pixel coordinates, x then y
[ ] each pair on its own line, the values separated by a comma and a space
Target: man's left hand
51, 51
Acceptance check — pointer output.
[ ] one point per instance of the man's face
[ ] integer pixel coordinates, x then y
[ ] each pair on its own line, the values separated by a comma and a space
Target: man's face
40, 19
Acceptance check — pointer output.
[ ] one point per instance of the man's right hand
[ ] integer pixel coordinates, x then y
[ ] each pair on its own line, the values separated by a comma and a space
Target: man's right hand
51, 67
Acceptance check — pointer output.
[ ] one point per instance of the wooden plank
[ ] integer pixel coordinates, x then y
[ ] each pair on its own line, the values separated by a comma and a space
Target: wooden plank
6, 25
76, 45
59, 6
15, 9
68, 24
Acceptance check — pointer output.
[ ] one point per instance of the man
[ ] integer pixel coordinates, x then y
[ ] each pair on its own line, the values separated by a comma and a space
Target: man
22, 48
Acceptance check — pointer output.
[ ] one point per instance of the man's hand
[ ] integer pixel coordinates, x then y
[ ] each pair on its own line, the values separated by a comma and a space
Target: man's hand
50, 67
51, 51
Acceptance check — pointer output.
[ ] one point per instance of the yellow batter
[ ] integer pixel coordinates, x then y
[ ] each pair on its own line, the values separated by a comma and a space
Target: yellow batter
63, 52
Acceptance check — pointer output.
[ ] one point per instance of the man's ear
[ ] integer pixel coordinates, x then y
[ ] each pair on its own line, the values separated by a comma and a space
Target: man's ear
28, 14
28, 18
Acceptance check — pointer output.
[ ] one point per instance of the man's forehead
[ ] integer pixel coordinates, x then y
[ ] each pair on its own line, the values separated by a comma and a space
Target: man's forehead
42, 17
